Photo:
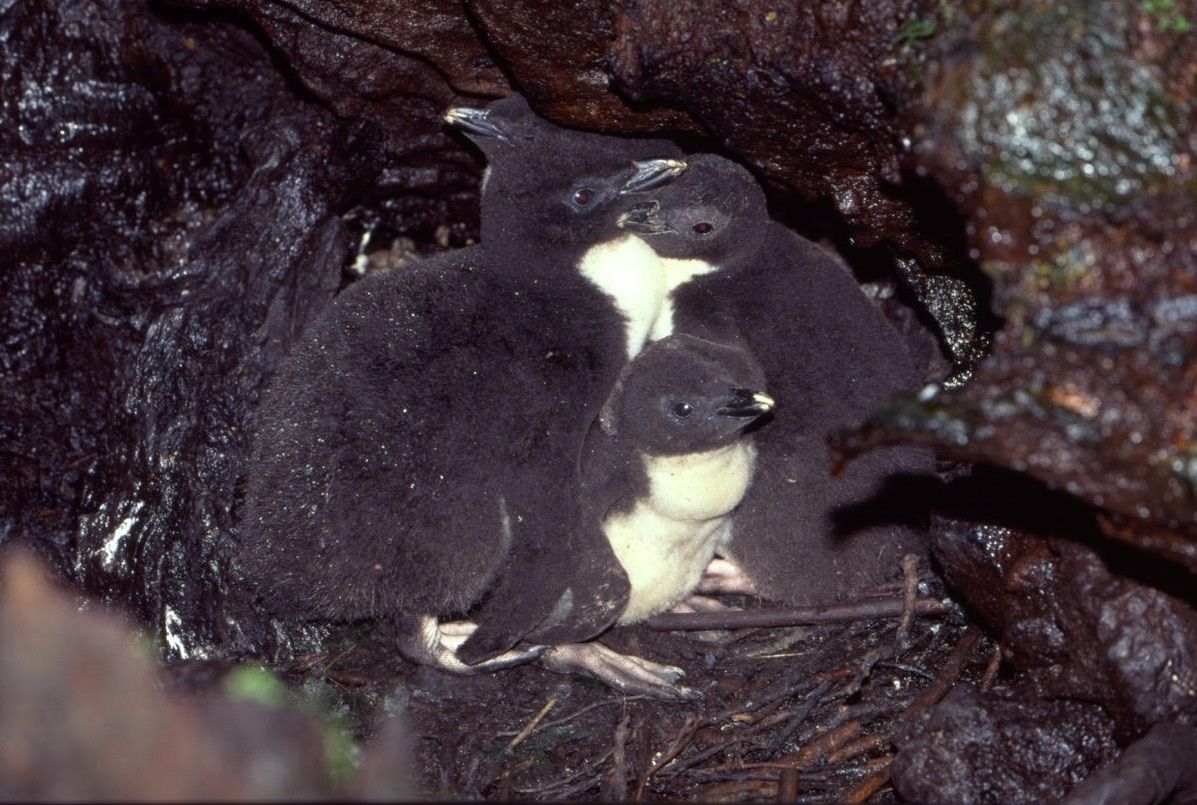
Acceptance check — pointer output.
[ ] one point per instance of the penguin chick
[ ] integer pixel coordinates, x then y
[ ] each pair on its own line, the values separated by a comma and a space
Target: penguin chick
416, 451
515, 212
830, 358
663, 469
552, 185
673, 461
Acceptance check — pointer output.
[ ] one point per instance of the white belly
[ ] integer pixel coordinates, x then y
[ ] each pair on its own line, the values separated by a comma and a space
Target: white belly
668, 538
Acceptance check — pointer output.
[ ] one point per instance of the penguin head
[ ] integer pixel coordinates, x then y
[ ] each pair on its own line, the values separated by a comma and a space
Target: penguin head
684, 394
715, 212
547, 187
504, 126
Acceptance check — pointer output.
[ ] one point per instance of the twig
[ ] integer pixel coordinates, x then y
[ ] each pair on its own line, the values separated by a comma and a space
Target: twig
720, 775
589, 768
910, 571
722, 790
585, 785
819, 748
948, 675
759, 725
615, 787
812, 699
991, 670
787, 785
906, 669
871, 658
583, 711
794, 616
531, 725
858, 747
680, 741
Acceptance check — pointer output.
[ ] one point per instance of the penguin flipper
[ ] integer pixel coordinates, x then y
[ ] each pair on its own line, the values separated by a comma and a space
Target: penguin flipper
427, 641
563, 589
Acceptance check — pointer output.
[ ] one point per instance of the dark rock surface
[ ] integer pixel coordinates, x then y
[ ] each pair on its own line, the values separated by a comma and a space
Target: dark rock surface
975, 747
1072, 629
1063, 135
1157, 768
177, 211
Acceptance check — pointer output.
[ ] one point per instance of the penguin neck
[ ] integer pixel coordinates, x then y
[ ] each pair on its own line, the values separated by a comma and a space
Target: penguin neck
699, 486
675, 273
629, 272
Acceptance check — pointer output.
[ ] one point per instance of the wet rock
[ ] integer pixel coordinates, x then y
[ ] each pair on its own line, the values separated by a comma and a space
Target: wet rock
1064, 135
809, 95
1073, 629
177, 213
974, 747
395, 68
1158, 767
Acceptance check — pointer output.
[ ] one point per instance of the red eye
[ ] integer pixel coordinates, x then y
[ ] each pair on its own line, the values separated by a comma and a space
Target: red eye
583, 197
703, 228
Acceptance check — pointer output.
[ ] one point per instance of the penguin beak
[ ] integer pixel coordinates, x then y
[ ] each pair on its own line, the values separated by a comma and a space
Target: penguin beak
643, 219
747, 404
474, 123
653, 173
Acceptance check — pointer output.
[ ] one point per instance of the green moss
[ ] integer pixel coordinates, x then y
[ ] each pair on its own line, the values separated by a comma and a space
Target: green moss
1166, 21
340, 750
255, 684
915, 30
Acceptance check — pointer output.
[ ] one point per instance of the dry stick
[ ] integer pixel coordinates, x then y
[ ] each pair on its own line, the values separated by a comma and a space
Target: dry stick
910, 571
531, 725
794, 616
948, 675
787, 785
812, 699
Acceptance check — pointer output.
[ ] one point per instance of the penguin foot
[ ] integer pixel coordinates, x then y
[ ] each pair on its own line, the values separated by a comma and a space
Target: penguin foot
701, 603
435, 643
623, 672
725, 577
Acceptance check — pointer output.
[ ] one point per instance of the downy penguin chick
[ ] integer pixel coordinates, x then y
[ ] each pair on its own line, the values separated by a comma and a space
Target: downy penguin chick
830, 358
670, 461
421, 437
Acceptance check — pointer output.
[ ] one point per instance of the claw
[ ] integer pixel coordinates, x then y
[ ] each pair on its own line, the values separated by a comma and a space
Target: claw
623, 672
436, 644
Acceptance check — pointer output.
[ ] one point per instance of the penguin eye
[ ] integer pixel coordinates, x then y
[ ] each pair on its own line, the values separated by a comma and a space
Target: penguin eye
703, 228
583, 197
682, 410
